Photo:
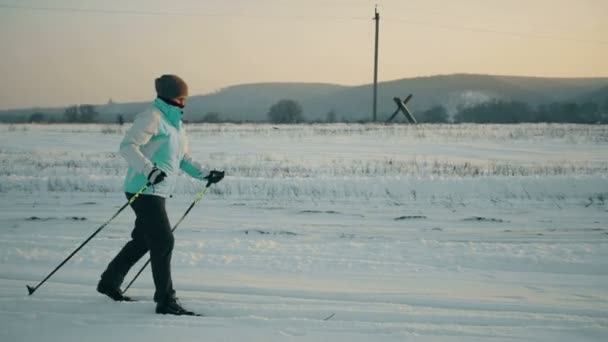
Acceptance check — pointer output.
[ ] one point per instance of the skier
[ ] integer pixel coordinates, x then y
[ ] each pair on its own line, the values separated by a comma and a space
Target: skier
155, 147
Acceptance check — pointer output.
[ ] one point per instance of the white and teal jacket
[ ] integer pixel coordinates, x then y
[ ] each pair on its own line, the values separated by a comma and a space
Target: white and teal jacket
157, 137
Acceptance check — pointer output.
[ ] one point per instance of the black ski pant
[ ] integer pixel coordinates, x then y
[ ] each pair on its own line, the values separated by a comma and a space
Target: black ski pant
152, 233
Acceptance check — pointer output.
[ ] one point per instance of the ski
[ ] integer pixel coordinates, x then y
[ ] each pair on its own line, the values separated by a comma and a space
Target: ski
329, 317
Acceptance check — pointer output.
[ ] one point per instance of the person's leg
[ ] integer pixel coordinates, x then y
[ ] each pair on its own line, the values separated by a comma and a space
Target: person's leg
156, 232
117, 269
159, 240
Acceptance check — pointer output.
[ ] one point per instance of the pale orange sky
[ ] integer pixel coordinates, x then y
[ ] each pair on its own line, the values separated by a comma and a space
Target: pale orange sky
61, 52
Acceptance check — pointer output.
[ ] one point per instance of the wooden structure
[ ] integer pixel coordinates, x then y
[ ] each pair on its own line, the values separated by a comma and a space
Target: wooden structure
377, 20
401, 107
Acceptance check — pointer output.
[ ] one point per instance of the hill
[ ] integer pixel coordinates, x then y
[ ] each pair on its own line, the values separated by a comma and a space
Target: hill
250, 102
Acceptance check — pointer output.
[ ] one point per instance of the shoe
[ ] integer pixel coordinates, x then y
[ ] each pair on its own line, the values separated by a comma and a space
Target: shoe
113, 293
173, 307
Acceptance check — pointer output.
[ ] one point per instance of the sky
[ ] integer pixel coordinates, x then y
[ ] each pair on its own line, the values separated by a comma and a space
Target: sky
62, 52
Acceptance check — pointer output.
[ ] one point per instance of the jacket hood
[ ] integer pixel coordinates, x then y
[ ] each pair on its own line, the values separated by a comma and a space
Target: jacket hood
172, 113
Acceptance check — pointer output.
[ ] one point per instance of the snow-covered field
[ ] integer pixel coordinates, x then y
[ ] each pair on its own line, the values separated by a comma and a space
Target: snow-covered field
426, 233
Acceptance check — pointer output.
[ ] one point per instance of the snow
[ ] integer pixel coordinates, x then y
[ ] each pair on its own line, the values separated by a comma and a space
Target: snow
426, 233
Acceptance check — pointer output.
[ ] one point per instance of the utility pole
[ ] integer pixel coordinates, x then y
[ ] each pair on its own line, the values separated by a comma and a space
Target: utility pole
377, 19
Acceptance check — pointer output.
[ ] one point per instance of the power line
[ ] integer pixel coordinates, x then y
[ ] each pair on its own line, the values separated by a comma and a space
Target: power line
109, 11
306, 18
492, 31
165, 13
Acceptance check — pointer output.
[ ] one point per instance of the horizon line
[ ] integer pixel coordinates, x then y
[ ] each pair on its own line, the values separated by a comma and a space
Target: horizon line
219, 89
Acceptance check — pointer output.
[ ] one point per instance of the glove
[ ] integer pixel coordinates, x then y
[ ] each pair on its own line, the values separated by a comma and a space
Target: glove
214, 177
156, 176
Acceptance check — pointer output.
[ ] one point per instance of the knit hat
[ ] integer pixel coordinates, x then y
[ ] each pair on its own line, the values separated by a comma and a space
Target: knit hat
170, 87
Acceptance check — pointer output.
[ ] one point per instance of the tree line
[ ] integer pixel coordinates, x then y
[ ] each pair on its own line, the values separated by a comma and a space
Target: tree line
495, 111
289, 111
507, 112
84, 113
514, 112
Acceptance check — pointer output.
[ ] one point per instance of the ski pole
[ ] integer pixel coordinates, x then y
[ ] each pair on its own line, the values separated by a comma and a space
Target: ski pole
31, 290
200, 195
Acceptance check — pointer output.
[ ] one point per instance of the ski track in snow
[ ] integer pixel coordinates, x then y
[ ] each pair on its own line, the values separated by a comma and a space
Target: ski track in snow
394, 258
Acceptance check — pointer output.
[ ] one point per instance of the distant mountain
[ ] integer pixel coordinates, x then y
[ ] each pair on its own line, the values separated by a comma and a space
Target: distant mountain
452, 92
598, 96
251, 102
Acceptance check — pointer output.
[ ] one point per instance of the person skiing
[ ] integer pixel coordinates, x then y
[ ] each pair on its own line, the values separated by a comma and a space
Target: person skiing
156, 148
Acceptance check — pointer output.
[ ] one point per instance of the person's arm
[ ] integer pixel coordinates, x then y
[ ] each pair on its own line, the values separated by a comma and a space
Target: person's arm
144, 128
189, 166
